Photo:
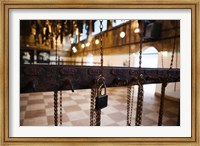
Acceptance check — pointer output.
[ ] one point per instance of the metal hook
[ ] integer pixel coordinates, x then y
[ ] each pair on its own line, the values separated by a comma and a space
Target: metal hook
163, 80
34, 84
118, 81
131, 82
68, 82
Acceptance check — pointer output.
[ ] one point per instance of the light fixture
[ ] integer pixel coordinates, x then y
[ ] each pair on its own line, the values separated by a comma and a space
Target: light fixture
122, 34
74, 49
87, 44
96, 41
137, 30
83, 46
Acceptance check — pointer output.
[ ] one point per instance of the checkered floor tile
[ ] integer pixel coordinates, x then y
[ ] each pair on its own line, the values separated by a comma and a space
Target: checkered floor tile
37, 109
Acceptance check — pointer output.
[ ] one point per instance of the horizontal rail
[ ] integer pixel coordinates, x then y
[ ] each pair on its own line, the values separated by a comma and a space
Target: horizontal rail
43, 78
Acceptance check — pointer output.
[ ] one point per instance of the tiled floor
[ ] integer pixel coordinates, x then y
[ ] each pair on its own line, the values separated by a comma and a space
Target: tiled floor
36, 109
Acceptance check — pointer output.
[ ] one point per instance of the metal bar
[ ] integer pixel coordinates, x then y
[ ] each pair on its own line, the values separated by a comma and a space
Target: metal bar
43, 78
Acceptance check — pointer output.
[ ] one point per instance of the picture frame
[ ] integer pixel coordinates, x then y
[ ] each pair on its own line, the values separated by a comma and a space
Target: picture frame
4, 78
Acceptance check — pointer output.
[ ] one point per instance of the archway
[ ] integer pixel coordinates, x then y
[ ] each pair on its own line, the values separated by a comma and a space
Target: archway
89, 60
149, 60
149, 57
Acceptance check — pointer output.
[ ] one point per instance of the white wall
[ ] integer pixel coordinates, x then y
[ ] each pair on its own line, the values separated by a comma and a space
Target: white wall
109, 60
151, 59
172, 89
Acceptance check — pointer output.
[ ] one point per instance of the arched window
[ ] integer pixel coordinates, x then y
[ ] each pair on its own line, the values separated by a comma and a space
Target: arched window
89, 60
149, 57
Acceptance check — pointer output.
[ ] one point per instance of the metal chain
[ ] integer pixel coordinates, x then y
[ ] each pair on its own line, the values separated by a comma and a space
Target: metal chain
129, 105
138, 119
129, 49
56, 108
95, 115
139, 105
162, 56
174, 47
165, 80
130, 94
140, 52
56, 52
101, 44
98, 117
131, 112
160, 118
61, 107
92, 106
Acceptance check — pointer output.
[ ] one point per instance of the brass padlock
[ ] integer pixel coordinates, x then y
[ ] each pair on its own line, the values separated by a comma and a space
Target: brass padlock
101, 100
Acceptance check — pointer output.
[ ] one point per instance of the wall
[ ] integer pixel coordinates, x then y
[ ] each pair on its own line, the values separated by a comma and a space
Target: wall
172, 89
152, 59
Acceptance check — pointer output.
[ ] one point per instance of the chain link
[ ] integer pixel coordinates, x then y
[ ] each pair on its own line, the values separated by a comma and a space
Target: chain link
92, 106
130, 93
56, 108
165, 79
60, 107
139, 104
174, 46
160, 118
138, 119
129, 49
95, 115
140, 51
162, 56
101, 44
129, 104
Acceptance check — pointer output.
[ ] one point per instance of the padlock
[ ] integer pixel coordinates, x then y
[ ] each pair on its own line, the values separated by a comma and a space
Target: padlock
101, 100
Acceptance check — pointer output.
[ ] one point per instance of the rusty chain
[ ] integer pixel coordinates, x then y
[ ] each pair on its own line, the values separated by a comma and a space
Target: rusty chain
61, 107
164, 79
140, 97
101, 44
95, 114
56, 108
130, 94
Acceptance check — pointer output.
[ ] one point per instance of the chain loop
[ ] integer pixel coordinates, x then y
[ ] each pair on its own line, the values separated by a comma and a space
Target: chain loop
138, 119
129, 104
101, 44
174, 47
129, 48
160, 118
92, 106
56, 108
61, 107
140, 51
130, 93
139, 104
165, 79
95, 114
